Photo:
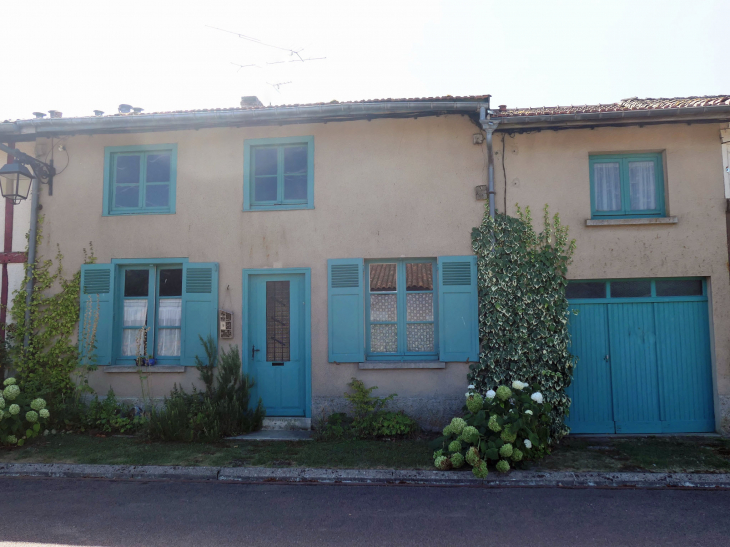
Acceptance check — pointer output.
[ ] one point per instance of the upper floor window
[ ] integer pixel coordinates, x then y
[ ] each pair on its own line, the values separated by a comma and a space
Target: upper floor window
278, 174
140, 179
627, 185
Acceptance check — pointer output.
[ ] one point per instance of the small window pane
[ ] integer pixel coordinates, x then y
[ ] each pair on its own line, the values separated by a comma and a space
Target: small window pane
127, 171
158, 195
168, 342
134, 342
295, 187
630, 289
135, 313
265, 161
277, 321
419, 306
607, 186
383, 338
295, 160
585, 290
420, 337
171, 282
679, 287
419, 277
126, 196
265, 189
383, 307
158, 167
136, 282
643, 185
383, 277
170, 312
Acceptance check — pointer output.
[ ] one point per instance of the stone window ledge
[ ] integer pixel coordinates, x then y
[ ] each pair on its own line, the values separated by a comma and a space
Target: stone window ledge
630, 221
369, 365
156, 369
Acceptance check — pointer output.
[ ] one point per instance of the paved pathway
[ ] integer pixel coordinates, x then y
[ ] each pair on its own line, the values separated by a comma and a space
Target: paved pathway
125, 513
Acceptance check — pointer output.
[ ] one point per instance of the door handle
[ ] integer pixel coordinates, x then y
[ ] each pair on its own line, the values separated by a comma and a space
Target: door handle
253, 351
606, 358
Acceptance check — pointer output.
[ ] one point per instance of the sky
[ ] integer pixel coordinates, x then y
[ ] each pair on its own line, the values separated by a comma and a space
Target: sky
77, 56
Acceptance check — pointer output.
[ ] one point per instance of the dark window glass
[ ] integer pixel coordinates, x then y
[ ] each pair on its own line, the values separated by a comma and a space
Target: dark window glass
136, 282
679, 287
586, 289
158, 167
126, 196
127, 170
630, 289
383, 277
171, 282
265, 161
277, 321
419, 277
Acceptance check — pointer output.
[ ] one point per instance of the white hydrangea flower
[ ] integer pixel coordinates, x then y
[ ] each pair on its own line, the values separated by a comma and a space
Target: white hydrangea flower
528, 412
11, 392
491, 394
9, 382
519, 386
537, 397
528, 444
44, 413
470, 386
14, 409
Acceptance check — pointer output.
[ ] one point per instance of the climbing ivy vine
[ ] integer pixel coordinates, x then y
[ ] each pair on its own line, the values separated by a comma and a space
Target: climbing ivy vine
523, 312
48, 365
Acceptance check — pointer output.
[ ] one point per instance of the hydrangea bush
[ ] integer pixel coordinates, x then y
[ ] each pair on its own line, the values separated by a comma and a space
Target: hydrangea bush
21, 416
505, 426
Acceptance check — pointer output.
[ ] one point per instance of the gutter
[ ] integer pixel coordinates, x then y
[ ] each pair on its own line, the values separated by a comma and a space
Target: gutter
490, 125
28, 130
702, 114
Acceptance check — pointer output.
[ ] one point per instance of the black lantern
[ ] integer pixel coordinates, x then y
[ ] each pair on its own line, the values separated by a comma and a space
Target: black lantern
15, 179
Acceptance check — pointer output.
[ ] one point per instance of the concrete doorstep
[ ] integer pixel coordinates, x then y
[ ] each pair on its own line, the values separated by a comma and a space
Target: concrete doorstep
369, 476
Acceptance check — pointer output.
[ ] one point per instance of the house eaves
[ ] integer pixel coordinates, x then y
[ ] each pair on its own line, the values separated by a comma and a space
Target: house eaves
28, 130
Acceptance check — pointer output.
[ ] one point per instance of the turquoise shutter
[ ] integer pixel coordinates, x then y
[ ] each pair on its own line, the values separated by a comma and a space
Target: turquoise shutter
458, 308
346, 310
200, 309
97, 306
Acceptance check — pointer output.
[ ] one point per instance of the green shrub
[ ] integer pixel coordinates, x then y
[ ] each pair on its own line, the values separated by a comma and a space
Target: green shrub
370, 419
222, 410
505, 431
523, 312
22, 416
112, 416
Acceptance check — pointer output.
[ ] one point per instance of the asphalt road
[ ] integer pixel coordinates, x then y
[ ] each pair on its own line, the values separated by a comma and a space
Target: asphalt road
116, 513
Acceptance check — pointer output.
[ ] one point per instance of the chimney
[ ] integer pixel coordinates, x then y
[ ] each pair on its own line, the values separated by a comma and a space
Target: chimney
98, 112
503, 108
55, 113
137, 110
39, 115
251, 101
125, 108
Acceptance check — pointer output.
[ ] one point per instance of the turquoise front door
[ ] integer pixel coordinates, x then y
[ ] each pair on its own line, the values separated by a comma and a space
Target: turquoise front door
644, 362
276, 337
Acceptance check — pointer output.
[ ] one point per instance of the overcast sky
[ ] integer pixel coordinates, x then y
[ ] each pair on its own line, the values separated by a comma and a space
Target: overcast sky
77, 56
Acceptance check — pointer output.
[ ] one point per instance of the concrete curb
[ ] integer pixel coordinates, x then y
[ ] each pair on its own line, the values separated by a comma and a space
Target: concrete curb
369, 476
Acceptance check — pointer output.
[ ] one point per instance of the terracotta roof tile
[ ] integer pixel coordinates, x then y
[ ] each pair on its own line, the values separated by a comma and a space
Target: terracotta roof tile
633, 103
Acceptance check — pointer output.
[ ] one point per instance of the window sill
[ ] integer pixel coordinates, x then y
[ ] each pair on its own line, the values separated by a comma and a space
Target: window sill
282, 207
631, 221
136, 213
156, 369
370, 365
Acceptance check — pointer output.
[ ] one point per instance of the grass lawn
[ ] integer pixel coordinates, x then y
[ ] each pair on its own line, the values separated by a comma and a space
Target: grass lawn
656, 454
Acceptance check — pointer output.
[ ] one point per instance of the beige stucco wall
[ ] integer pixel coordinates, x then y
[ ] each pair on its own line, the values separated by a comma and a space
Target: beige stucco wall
394, 188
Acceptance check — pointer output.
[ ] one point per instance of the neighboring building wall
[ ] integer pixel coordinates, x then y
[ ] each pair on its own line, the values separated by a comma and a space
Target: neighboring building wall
21, 226
389, 189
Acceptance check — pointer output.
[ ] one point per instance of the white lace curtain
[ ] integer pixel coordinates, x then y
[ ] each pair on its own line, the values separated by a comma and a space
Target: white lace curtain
607, 183
170, 315
643, 192
607, 186
135, 315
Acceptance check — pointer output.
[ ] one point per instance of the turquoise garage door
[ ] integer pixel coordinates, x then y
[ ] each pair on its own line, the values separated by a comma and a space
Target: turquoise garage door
643, 349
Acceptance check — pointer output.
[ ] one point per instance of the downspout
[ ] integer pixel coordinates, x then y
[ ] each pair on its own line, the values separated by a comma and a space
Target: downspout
489, 125
32, 236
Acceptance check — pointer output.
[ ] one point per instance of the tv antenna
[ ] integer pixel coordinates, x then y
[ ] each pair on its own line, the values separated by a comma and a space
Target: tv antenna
278, 85
292, 52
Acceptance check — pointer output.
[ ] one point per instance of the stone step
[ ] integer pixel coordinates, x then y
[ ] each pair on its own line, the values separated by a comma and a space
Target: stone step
275, 424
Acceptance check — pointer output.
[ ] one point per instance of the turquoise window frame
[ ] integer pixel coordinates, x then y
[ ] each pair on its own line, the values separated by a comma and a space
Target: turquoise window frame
402, 354
153, 300
634, 300
249, 204
111, 153
623, 160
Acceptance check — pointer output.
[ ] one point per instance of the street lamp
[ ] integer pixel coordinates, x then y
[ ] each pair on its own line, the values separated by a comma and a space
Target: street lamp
15, 179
